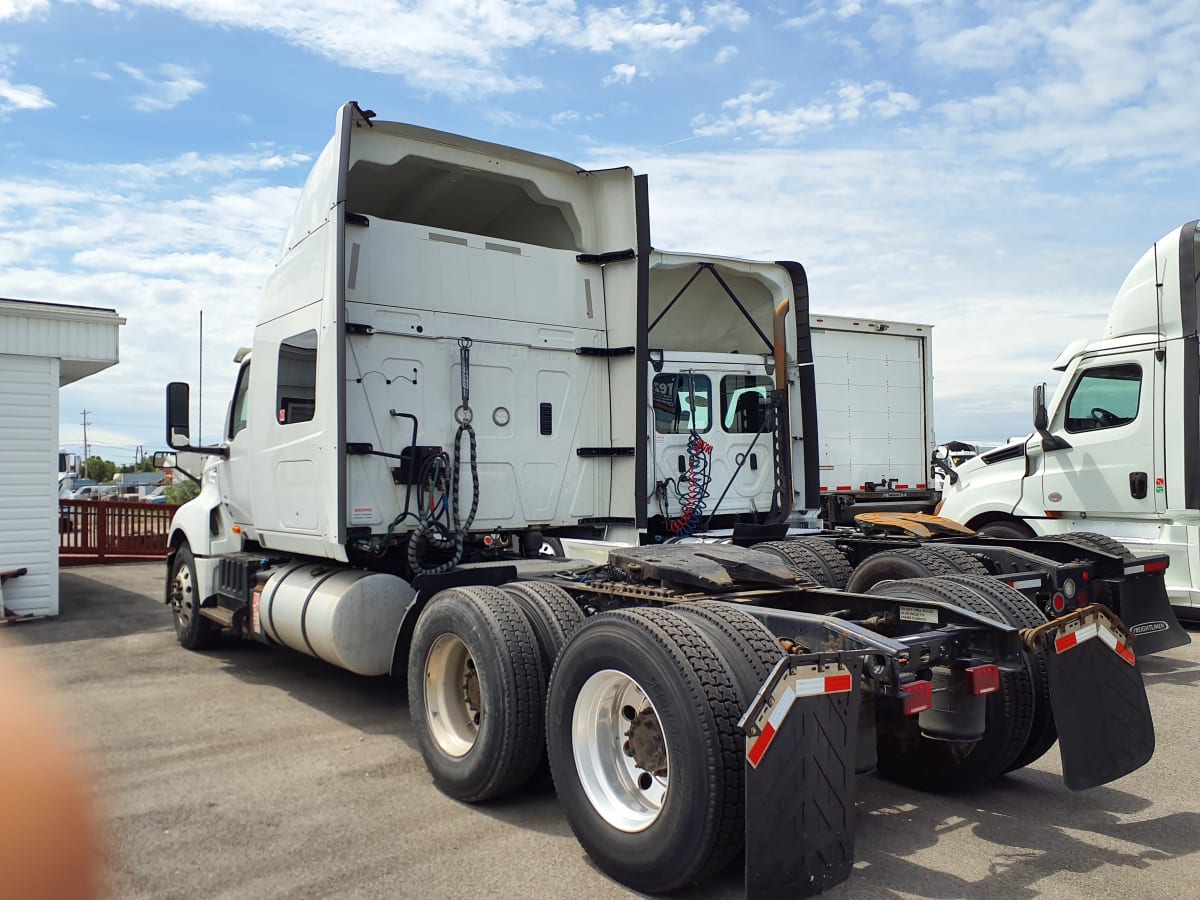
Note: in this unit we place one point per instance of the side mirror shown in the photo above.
(941, 452)
(164, 460)
(178, 420)
(1040, 418)
(1041, 422)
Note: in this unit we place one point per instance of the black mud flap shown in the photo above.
(1099, 701)
(1146, 609)
(801, 732)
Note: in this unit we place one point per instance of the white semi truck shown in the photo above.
(1117, 449)
(469, 355)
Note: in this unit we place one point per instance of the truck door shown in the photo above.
(1108, 414)
(235, 473)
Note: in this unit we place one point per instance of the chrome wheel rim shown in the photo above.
(453, 696)
(183, 597)
(620, 751)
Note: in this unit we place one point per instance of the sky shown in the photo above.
(992, 169)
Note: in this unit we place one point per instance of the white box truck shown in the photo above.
(467, 349)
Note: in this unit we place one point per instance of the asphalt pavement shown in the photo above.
(248, 771)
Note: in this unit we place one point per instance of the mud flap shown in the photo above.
(1099, 701)
(801, 732)
(1146, 611)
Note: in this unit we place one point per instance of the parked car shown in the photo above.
(158, 495)
(95, 492)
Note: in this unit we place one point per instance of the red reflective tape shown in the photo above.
(843, 487)
(1156, 566)
(837, 683)
(754, 753)
(1125, 653)
(1066, 642)
(824, 488)
(920, 487)
(902, 487)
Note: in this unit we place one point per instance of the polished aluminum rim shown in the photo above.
(182, 594)
(453, 702)
(620, 751)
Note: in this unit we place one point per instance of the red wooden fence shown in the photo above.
(111, 531)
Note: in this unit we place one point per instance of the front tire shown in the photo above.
(476, 693)
(1006, 530)
(193, 631)
(643, 744)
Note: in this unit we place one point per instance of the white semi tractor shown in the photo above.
(470, 354)
(1116, 451)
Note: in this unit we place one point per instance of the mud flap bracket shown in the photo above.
(801, 732)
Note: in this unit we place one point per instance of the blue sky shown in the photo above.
(992, 169)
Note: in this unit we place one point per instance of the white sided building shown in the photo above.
(42, 347)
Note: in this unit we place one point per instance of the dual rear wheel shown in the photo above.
(637, 711)
(639, 718)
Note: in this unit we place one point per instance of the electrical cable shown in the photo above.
(419, 538)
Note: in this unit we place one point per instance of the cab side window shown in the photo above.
(296, 382)
(744, 403)
(681, 402)
(1105, 397)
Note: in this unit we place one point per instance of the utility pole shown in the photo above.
(200, 391)
(86, 413)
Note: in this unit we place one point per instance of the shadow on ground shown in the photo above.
(92, 608)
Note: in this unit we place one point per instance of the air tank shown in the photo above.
(347, 617)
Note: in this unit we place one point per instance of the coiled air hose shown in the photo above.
(699, 476)
(427, 525)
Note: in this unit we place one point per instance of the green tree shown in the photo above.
(100, 469)
(182, 491)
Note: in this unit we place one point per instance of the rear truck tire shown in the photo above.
(643, 742)
(908, 757)
(477, 692)
(1006, 529)
(817, 558)
(963, 562)
(748, 647)
(551, 611)
(1019, 611)
(193, 631)
(900, 565)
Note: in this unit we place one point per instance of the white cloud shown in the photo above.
(157, 242)
(802, 22)
(725, 54)
(726, 14)
(175, 85)
(17, 96)
(459, 47)
(21, 9)
(622, 73)
(747, 115)
(21, 96)
(1110, 83)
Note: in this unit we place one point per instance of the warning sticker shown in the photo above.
(918, 614)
